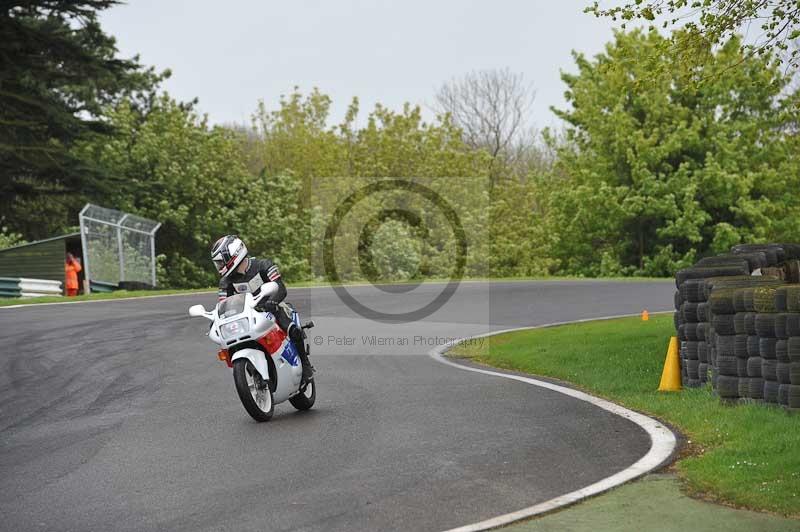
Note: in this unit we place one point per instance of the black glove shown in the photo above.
(267, 306)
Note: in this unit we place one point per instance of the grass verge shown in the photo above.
(747, 455)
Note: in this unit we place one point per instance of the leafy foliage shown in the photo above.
(652, 171)
(664, 171)
(180, 172)
(57, 72)
(715, 22)
(396, 252)
(8, 240)
(322, 165)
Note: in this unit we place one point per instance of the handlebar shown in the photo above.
(267, 289)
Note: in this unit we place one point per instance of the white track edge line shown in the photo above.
(662, 439)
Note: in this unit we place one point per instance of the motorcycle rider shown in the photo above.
(241, 273)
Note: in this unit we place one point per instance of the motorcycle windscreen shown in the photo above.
(231, 306)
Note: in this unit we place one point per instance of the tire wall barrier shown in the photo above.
(737, 318)
(24, 287)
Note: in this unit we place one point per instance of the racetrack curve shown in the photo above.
(117, 416)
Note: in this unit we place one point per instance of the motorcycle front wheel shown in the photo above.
(253, 391)
(305, 399)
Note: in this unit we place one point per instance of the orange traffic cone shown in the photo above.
(671, 375)
(645, 315)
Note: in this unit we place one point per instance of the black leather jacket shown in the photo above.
(246, 282)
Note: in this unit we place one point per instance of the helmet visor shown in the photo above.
(219, 264)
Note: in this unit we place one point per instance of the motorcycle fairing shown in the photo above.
(256, 357)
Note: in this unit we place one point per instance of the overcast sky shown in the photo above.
(231, 54)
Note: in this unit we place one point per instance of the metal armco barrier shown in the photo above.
(100, 287)
(39, 287)
(9, 287)
(24, 287)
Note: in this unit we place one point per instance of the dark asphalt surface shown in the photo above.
(117, 416)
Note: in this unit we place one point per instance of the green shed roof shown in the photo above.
(62, 237)
(43, 259)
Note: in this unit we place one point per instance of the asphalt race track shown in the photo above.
(117, 416)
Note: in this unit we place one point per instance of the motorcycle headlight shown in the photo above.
(235, 328)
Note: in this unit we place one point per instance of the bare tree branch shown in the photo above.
(490, 107)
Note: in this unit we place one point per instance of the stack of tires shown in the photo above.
(739, 322)
(762, 300)
(691, 313)
(747, 343)
(691, 323)
(716, 285)
(789, 271)
(782, 259)
(744, 334)
(722, 343)
(746, 347)
(787, 349)
(733, 270)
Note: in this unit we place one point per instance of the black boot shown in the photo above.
(296, 335)
(308, 369)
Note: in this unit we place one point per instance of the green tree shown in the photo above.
(317, 165)
(296, 137)
(395, 252)
(8, 240)
(275, 222)
(401, 145)
(519, 245)
(659, 173)
(709, 23)
(58, 71)
(178, 171)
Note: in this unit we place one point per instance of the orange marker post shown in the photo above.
(645, 316)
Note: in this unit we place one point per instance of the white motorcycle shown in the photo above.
(266, 367)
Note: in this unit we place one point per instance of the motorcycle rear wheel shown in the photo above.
(257, 400)
(305, 399)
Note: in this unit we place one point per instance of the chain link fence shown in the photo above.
(118, 247)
